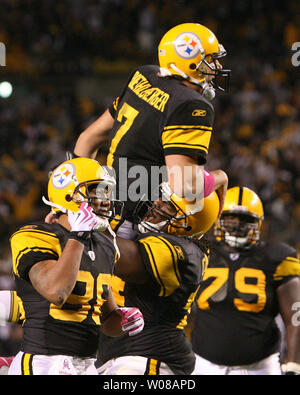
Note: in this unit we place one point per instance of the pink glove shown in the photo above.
(132, 320)
(5, 363)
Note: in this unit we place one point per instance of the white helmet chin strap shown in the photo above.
(60, 208)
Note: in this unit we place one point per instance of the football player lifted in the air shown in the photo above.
(63, 276)
(248, 282)
(163, 117)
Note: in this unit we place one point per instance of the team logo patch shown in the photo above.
(187, 45)
(63, 176)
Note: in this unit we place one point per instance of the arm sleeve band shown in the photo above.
(209, 182)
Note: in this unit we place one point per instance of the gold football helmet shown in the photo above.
(190, 51)
(70, 182)
(188, 220)
(241, 218)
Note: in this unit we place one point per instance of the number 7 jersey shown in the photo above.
(237, 303)
(155, 117)
(71, 329)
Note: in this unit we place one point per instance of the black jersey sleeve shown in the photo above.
(188, 130)
(161, 260)
(288, 264)
(31, 245)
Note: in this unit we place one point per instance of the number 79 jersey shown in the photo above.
(237, 303)
(71, 329)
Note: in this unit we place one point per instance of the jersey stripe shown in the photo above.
(26, 250)
(184, 145)
(29, 240)
(188, 138)
(152, 367)
(182, 127)
(27, 364)
(154, 267)
(174, 256)
(288, 267)
(163, 259)
(22, 230)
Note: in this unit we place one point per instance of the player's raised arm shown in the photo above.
(96, 134)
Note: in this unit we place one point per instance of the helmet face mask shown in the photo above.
(241, 219)
(239, 230)
(218, 77)
(97, 195)
(154, 216)
(82, 192)
(176, 215)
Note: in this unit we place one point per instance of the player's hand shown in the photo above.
(82, 222)
(5, 363)
(132, 320)
(291, 369)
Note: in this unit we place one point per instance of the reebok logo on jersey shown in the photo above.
(199, 113)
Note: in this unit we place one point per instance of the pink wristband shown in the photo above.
(209, 182)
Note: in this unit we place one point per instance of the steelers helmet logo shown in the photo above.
(187, 45)
(63, 176)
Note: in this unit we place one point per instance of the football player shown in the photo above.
(247, 283)
(63, 276)
(163, 117)
(160, 273)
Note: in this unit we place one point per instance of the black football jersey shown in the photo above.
(73, 328)
(237, 303)
(154, 117)
(175, 266)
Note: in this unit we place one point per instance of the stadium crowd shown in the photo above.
(50, 44)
